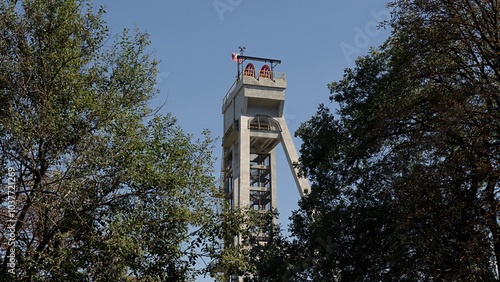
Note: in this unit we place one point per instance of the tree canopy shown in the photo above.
(105, 188)
(405, 170)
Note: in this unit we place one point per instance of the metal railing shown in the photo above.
(264, 122)
(224, 100)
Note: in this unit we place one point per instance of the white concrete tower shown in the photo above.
(253, 126)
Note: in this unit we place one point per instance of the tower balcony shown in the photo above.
(268, 80)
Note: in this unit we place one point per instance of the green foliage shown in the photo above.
(406, 171)
(238, 230)
(106, 191)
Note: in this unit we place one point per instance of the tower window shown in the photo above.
(264, 122)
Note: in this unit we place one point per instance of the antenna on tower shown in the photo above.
(242, 49)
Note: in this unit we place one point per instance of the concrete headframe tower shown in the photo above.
(253, 126)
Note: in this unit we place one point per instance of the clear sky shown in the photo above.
(315, 40)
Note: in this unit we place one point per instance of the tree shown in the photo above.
(105, 189)
(242, 253)
(406, 172)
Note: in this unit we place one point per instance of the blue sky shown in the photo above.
(315, 40)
